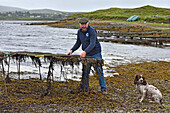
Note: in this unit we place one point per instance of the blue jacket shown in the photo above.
(89, 41)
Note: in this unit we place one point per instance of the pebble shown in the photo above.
(115, 74)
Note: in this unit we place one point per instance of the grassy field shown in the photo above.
(146, 13)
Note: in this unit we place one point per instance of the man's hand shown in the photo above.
(70, 52)
(83, 54)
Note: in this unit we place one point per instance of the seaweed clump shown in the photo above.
(62, 60)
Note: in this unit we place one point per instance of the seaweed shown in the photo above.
(58, 59)
(122, 97)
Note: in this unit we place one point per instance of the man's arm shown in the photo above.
(76, 45)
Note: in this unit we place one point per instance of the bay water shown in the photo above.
(15, 36)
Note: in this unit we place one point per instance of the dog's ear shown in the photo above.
(144, 81)
(136, 79)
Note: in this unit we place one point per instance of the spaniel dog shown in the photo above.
(149, 91)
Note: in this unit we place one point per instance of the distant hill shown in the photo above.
(44, 11)
(4, 9)
(50, 11)
(14, 13)
(146, 13)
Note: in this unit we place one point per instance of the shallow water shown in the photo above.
(16, 36)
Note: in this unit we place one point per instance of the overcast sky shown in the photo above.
(82, 5)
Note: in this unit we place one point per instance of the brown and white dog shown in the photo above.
(149, 91)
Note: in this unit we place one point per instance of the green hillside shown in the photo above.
(146, 13)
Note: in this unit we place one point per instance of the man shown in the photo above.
(91, 47)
